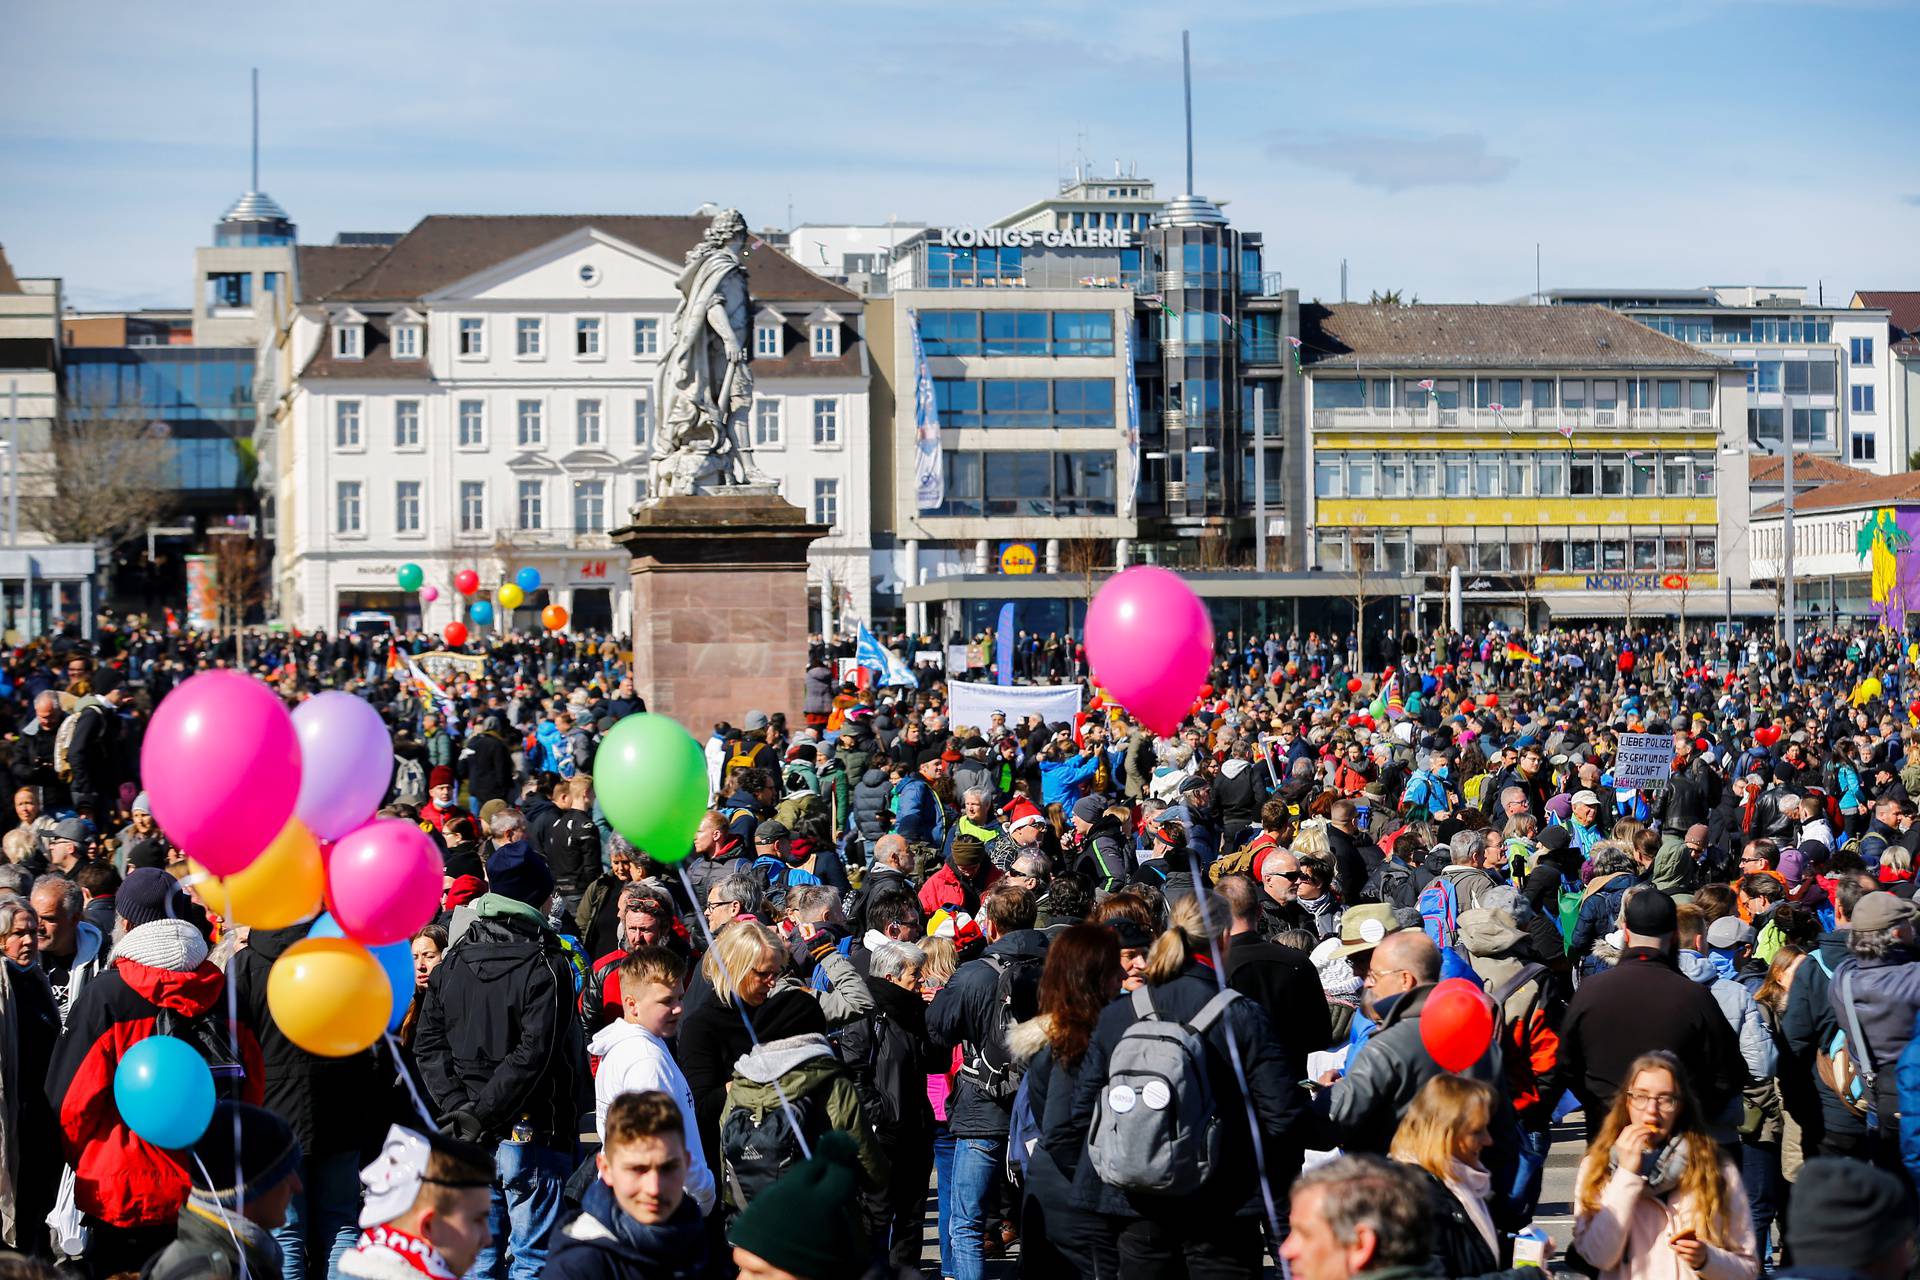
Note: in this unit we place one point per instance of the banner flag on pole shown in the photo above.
(929, 481)
(1003, 644)
(869, 653)
(1133, 429)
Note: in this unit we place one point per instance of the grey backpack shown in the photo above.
(1156, 1128)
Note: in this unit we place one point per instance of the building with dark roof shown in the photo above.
(1566, 461)
(1856, 549)
(479, 394)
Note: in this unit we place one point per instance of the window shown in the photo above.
(1551, 476)
(406, 342)
(1613, 554)
(826, 423)
(472, 337)
(1013, 333)
(347, 340)
(1083, 402)
(1613, 477)
(1393, 476)
(1643, 476)
(826, 502)
(1330, 548)
(589, 506)
(826, 340)
(406, 424)
(1673, 482)
(1455, 478)
(346, 424)
(586, 337)
(1486, 476)
(230, 291)
(963, 477)
(1860, 351)
(528, 337)
(529, 424)
(642, 419)
(1019, 483)
(1360, 475)
(586, 423)
(1083, 333)
(1706, 553)
(646, 336)
(1700, 395)
(1703, 476)
(473, 506)
(1383, 393)
(1580, 556)
(1339, 393)
(1669, 389)
(766, 340)
(1490, 557)
(406, 506)
(950, 333)
(1519, 476)
(1014, 402)
(346, 507)
(473, 424)
(1573, 396)
(1809, 426)
(766, 423)
(1426, 478)
(1328, 478)
(1673, 553)
(1861, 447)
(1083, 484)
(1862, 397)
(1646, 554)
(531, 516)
(1583, 476)
(1606, 395)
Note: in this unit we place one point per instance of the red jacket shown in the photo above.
(119, 1177)
(945, 889)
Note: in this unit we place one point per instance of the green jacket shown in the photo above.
(800, 1067)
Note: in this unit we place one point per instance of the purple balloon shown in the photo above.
(346, 762)
(221, 765)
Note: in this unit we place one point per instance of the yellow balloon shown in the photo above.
(1872, 687)
(282, 886)
(511, 595)
(329, 996)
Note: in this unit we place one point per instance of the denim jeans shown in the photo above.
(976, 1167)
(322, 1217)
(529, 1180)
(943, 1192)
(1530, 1170)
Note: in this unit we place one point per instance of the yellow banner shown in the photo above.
(1615, 580)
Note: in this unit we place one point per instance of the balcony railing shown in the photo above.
(1259, 284)
(1515, 419)
(1261, 350)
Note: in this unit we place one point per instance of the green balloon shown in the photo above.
(411, 577)
(1379, 708)
(651, 779)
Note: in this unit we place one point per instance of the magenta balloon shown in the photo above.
(384, 882)
(429, 594)
(1151, 642)
(346, 762)
(221, 764)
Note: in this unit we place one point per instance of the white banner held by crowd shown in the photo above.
(1644, 760)
(974, 704)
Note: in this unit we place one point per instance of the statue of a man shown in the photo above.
(705, 388)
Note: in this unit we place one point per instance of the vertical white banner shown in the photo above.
(929, 481)
(1133, 424)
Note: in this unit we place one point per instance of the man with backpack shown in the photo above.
(1809, 1029)
(87, 748)
(161, 983)
(1874, 996)
(1527, 1019)
(784, 1097)
(975, 1011)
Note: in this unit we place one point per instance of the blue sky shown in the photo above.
(1430, 143)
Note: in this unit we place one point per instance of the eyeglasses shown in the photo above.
(722, 902)
(1658, 1101)
(1288, 876)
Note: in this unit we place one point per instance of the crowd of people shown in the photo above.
(1120, 1005)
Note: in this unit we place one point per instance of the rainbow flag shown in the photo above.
(1519, 653)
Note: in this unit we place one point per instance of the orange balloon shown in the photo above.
(553, 617)
(329, 996)
(280, 887)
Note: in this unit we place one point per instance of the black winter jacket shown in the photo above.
(965, 1013)
(489, 767)
(497, 1038)
(1282, 981)
(572, 850)
(870, 796)
(890, 1057)
(1807, 1028)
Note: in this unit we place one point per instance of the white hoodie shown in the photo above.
(633, 1059)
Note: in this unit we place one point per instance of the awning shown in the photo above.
(1705, 605)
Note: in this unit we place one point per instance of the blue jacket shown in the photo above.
(916, 811)
(603, 1243)
(1907, 1084)
(1061, 782)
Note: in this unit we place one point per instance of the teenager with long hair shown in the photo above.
(1654, 1191)
(1081, 978)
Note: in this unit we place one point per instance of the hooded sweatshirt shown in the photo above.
(632, 1060)
(1743, 1015)
(802, 1070)
(606, 1243)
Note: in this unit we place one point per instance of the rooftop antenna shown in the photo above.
(255, 184)
(1343, 279)
(1539, 295)
(1186, 75)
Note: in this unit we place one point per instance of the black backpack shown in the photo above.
(209, 1039)
(1390, 882)
(990, 1065)
(759, 1147)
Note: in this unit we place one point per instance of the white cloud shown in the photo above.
(1397, 163)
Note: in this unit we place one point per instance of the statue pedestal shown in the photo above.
(720, 605)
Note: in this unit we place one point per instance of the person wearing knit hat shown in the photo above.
(806, 1226)
(962, 879)
(1848, 1220)
(244, 1172)
(441, 792)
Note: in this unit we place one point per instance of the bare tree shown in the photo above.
(239, 586)
(1361, 567)
(110, 467)
(1089, 559)
(1213, 550)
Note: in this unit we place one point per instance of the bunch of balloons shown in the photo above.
(276, 811)
(1151, 640)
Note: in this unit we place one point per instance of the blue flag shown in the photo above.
(883, 662)
(1003, 644)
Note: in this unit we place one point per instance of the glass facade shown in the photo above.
(1028, 483)
(1017, 333)
(202, 395)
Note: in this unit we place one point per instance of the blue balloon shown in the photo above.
(396, 961)
(481, 613)
(528, 579)
(164, 1092)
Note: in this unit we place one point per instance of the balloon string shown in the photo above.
(1240, 1071)
(225, 1221)
(713, 949)
(233, 1045)
(406, 1078)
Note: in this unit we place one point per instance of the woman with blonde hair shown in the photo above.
(1215, 1225)
(1654, 1192)
(1444, 1132)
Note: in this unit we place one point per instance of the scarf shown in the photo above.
(170, 944)
(1662, 1169)
(409, 1248)
(1470, 1185)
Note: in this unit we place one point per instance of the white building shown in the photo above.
(480, 395)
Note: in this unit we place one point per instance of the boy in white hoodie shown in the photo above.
(634, 1057)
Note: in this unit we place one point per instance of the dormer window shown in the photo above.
(826, 340)
(404, 335)
(769, 338)
(349, 335)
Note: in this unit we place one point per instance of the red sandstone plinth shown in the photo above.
(720, 606)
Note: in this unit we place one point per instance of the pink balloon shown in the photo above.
(429, 594)
(221, 763)
(1151, 640)
(384, 881)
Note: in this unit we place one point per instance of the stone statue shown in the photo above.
(705, 388)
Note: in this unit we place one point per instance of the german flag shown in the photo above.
(1519, 653)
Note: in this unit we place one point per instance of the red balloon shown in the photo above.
(1914, 706)
(456, 634)
(466, 582)
(1490, 700)
(1353, 685)
(1206, 691)
(1279, 678)
(1456, 1025)
(1097, 703)
(1767, 735)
